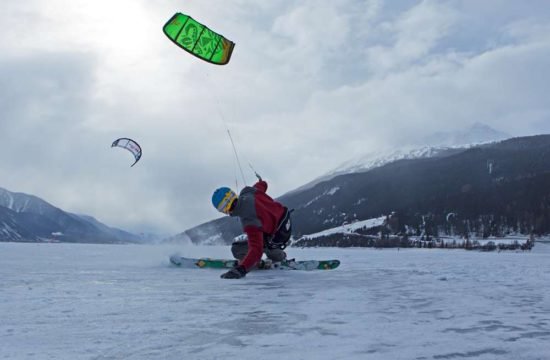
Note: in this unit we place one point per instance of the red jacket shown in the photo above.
(259, 214)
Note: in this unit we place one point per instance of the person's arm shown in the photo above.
(261, 186)
(255, 247)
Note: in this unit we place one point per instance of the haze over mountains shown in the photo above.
(478, 133)
(439, 143)
(506, 181)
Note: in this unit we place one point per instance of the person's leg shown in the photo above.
(275, 255)
(239, 249)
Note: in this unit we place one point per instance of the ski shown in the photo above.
(292, 264)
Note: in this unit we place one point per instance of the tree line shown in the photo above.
(442, 231)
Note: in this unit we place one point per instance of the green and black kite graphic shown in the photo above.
(198, 39)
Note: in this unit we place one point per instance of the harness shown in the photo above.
(281, 237)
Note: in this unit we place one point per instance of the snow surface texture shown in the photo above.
(64, 301)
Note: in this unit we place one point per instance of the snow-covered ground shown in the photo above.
(63, 301)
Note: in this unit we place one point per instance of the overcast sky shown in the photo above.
(310, 85)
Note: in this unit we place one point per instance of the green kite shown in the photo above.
(198, 39)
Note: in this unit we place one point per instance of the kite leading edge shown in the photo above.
(129, 145)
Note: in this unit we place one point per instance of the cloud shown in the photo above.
(42, 99)
(413, 34)
(309, 86)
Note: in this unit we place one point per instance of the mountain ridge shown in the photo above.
(26, 217)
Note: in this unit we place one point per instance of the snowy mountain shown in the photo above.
(11, 229)
(26, 217)
(495, 187)
(377, 159)
(435, 145)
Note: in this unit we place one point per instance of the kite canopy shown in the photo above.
(199, 40)
(129, 145)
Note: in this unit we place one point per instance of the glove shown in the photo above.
(236, 273)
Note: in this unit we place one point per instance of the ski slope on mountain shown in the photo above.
(349, 228)
(69, 301)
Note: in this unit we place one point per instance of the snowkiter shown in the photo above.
(265, 221)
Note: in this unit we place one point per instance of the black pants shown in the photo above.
(240, 249)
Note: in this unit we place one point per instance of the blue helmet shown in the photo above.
(223, 198)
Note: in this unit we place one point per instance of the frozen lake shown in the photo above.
(69, 301)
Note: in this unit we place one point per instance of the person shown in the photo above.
(266, 223)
